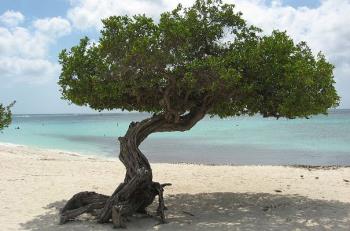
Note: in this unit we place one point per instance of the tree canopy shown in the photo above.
(206, 56)
(5, 115)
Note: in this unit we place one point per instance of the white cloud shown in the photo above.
(54, 27)
(20, 42)
(24, 51)
(88, 13)
(21, 70)
(23, 56)
(11, 18)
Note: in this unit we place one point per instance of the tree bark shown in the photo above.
(138, 190)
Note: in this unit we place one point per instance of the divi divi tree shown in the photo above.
(192, 62)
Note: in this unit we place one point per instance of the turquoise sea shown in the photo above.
(320, 140)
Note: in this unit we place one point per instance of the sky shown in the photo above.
(33, 32)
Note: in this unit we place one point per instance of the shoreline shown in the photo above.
(35, 184)
(96, 156)
(57, 151)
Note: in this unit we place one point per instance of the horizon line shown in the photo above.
(94, 113)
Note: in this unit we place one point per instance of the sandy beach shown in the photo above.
(35, 183)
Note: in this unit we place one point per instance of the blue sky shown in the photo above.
(32, 32)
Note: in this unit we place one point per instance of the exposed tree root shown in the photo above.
(115, 208)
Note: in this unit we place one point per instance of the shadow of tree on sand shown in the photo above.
(221, 211)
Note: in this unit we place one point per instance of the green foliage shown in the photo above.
(5, 115)
(192, 54)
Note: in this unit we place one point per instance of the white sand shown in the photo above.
(35, 183)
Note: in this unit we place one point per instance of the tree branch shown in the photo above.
(188, 120)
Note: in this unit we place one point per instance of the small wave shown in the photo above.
(22, 116)
(83, 154)
(11, 145)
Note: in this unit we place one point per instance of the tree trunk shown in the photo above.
(133, 195)
(138, 190)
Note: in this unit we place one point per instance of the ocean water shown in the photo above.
(320, 140)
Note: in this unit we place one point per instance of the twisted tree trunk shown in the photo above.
(137, 191)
